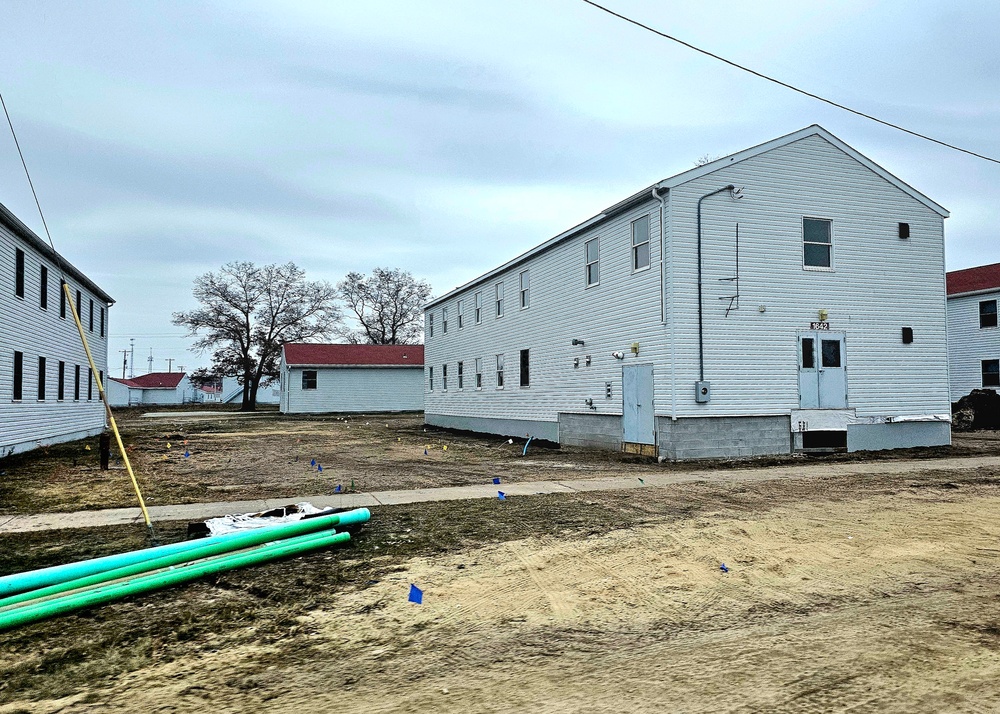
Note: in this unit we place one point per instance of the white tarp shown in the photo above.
(273, 517)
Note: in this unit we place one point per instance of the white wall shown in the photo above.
(36, 332)
(353, 389)
(879, 285)
(968, 345)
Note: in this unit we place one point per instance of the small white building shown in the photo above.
(351, 378)
(787, 297)
(973, 334)
(48, 393)
(152, 388)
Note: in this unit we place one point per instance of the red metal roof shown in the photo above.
(984, 277)
(374, 355)
(154, 380)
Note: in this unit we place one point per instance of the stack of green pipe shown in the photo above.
(66, 590)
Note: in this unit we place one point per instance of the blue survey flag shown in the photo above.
(313, 462)
(338, 489)
(187, 453)
(723, 568)
(496, 479)
(319, 468)
(501, 495)
(416, 594)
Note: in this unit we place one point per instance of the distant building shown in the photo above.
(788, 297)
(351, 378)
(48, 393)
(152, 388)
(232, 392)
(973, 334)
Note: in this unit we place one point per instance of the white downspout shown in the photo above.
(663, 297)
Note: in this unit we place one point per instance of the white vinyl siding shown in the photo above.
(970, 343)
(356, 389)
(751, 355)
(35, 331)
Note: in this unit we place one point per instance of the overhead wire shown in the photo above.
(792, 87)
(79, 326)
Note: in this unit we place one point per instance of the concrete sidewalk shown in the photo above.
(201, 511)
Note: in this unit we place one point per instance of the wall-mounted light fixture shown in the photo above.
(576, 342)
(823, 314)
(618, 355)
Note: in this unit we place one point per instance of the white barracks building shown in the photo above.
(788, 297)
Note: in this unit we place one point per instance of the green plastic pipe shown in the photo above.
(31, 580)
(34, 612)
(164, 561)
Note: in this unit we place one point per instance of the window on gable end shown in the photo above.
(524, 289)
(592, 256)
(817, 243)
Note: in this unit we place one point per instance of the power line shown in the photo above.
(789, 86)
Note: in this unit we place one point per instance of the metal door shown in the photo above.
(638, 424)
(822, 371)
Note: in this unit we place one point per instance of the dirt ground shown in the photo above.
(872, 590)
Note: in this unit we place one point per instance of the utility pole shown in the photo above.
(131, 357)
(124, 361)
(150, 371)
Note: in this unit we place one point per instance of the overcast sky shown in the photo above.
(168, 138)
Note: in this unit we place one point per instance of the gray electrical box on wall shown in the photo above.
(702, 392)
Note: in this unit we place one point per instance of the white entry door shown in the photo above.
(822, 371)
(638, 424)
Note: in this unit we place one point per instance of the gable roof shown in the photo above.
(15, 226)
(982, 278)
(311, 355)
(684, 177)
(153, 380)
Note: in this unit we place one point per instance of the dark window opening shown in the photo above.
(76, 383)
(102, 322)
(90, 384)
(907, 335)
(988, 313)
(18, 375)
(904, 230)
(524, 368)
(991, 372)
(19, 273)
(77, 307)
(62, 299)
(41, 379)
(309, 379)
(831, 353)
(808, 353)
(61, 387)
(43, 288)
(91, 316)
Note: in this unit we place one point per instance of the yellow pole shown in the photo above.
(107, 407)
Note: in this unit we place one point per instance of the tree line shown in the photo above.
(247, 312)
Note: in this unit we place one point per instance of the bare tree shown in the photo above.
(388, 306)
(247, 312)
(706, 159)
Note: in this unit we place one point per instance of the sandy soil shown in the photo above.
(848, 595)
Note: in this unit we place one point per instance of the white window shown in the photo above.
(479, 308)
(460, 311)
(524, 289)
(461, 383)
(479, 372)
(499, 371)
(430, 324)
(498, 297)
(817, 243)
(444, 377)
(592, 253)
(640, 243)
(444, 320)
(430, 378)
